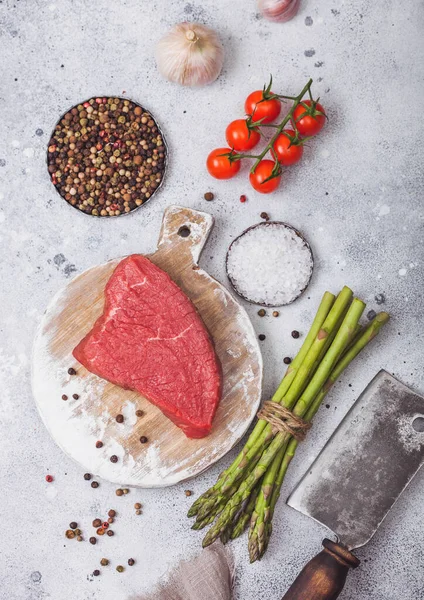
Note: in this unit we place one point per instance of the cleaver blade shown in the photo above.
(355, 480)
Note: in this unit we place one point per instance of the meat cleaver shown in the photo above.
(362, 470)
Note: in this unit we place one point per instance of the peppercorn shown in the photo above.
(105, 524)
(139, 413)
(93, 540)
(243, 198)
(261, 336)
(275, 313)
(110, 532)
(110, 520)
(94, 484)
(287, 360)
(100, 531)
(104, 562)
(265, 216)
(87, 476)
(96, 572)
(131, 562)
(119, 492)
(99, 444)
(137, 505)
(64, 397)
(261, 312)
(73, 525)
(120, 569)
(143, 439)
(209, 196)
(70, 534)
(49, 478)
(138, 511)
(188, 493)
(79, 538)
(114, 458)
(71, 371)
(96, 523)
(125, 490)
(75, 396)
(112, 513)
(119, 418)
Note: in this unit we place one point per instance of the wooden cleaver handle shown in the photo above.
(324, 576)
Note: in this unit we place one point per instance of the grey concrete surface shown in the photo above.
(357, 197)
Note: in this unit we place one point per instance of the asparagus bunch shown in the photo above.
(248, 490)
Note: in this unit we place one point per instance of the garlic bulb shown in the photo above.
(190, 54)
(279, 10)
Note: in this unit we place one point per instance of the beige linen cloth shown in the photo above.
(209, 576)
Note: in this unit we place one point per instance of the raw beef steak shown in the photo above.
(151, 339)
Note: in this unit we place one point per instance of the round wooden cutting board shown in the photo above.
(79, 422)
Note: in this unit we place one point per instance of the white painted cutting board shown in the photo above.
(77, 424)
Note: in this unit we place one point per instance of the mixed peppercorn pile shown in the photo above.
(106, 156)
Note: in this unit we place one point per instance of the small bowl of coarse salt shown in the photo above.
(270, 264)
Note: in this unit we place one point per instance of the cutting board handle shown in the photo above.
(184, 231)
(324, 576)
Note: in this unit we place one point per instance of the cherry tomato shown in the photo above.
(262, 172)
(310, 124)
(283, 152)
(220, 166)
(240, 137)
(265, 111)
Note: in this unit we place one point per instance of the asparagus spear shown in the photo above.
(271, 484)
(303, 402)
(320, 317)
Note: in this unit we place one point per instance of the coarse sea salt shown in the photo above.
(270, 264)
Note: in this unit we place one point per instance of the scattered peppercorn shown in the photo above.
(110, 520)
(188, 493)
(93, 541)
(77, 531)
(99, 444)
(138, 511)
(209, 196)
(79, 538)
(75, 396)
(96, 572)
(100, 531)
(73, 525)
(96, 523)
(125, 490)
(119, 492)
(143, 439)
(87, 476)
(137, 505)
(120, 569)
(106, 156)
(105, 525)
(64, 397)
(49, 478)
(70, 534)
(139, 413)
(243, 198)
(119, 418)
(287, 360)
(104, 562)
(295, 334)
(114, 458)
(275, 313)
(261, 336)
(110, 532)
(265, 216)
(112, 513)
(94, 484)
(261, 312)
(131, 562)
(71, 371)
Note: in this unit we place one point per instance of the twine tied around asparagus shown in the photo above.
(282, 419)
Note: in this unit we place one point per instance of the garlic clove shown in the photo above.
(190, 54)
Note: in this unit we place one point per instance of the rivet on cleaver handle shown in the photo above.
(366, 464)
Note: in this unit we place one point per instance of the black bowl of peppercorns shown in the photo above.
(107, 156)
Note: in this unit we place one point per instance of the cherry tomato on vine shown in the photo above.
(283, 152)
(311, 123)
(220, 166)
(262, 109)
(240, 137)
(262, 172)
